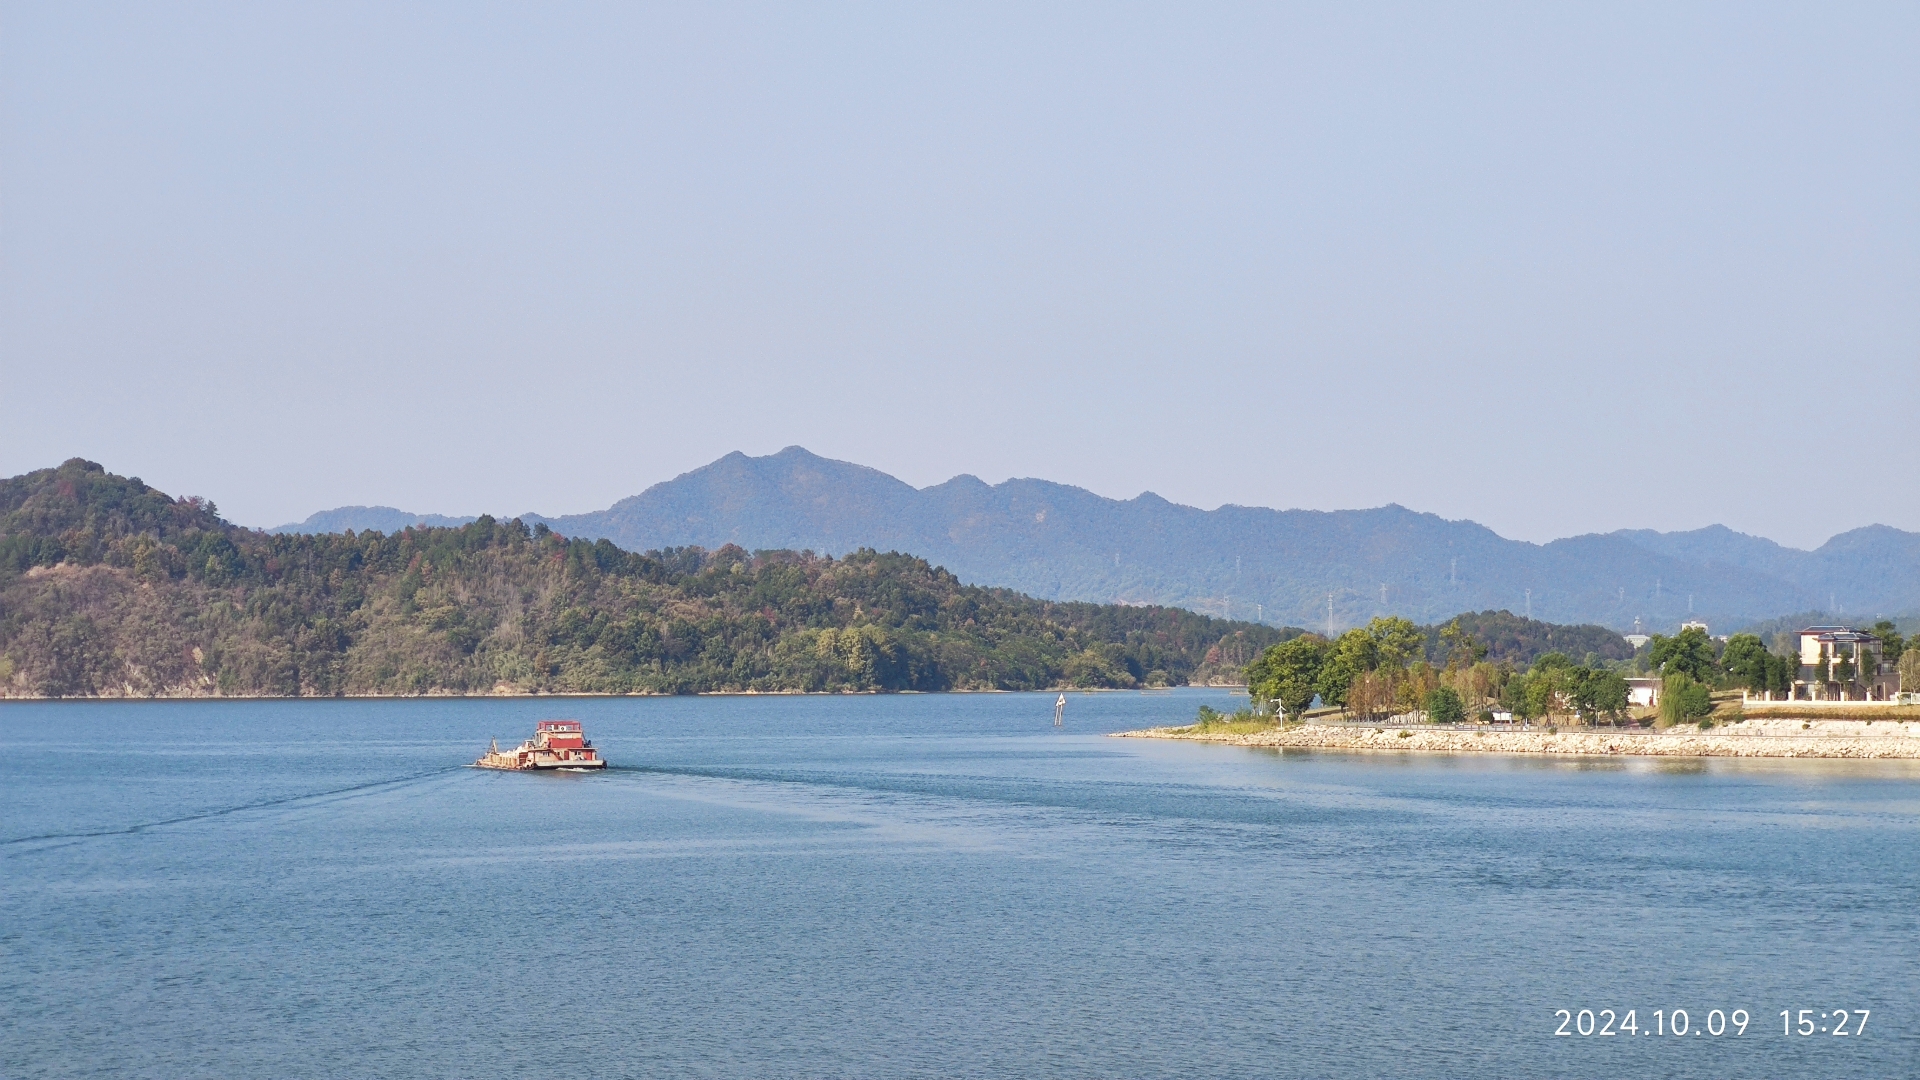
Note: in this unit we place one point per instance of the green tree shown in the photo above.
(1553, 661)
(1444, 706)
(1462, 650)
(1097, 668)
(1289, 673)
(1682, 698)
(1596, 693)
(1747, 660)
(1515, 696)
(1384, 647)
(1892, 645)
(1689, 653)
(1539, 692)
(1910, 671)
(1781, 673)
(1611, 694)
(1351, 655)
(1396, 642)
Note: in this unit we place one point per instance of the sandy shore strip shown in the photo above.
(1899, 741)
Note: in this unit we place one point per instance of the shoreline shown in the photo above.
(1896, 745)
(501, 695)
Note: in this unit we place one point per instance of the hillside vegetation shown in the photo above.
(111, 588)
(1504, 637)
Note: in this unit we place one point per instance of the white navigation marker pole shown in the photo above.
(1059, 709)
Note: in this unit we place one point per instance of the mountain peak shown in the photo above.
(1061, 542)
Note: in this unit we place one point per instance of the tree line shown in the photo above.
(1390, 667)
(1385, 668)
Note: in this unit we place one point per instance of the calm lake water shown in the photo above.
(920, 886)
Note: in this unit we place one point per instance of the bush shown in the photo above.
(1444, 707)
(1682, 699)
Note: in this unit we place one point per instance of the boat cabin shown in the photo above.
(556, 744)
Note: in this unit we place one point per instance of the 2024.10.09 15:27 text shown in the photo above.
(1604, 1022)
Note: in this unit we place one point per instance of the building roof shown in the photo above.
(1838, 633)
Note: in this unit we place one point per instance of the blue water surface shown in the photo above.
(941, 885)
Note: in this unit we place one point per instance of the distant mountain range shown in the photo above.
(377, 518)
(1280, 566)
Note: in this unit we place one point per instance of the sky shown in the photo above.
(1557, 268)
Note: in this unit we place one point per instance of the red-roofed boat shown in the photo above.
(556, 744)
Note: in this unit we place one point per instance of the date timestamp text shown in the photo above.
(1716, 1022)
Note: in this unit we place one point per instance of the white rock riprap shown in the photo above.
(1676, 742)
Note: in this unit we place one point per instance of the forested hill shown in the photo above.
(109, 587)
(1509, 638)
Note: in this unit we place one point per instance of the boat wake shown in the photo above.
(223, 811)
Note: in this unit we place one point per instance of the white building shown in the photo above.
(1644, 693)
(1839, 663)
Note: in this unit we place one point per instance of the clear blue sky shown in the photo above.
(1557, 268)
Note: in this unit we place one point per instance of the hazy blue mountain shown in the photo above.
(1874, 570)
(1719, 545)
(1064, 542)
(362, 518)
(1061, 542)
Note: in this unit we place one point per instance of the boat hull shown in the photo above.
(510, 765)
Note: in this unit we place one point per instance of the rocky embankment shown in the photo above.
(1893, 740)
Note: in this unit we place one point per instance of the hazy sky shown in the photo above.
(1555, 268)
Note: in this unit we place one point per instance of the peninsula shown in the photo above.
(1825, 691)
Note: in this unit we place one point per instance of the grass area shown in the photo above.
(1213, 722)
(1228, 726)
(1775, 710)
